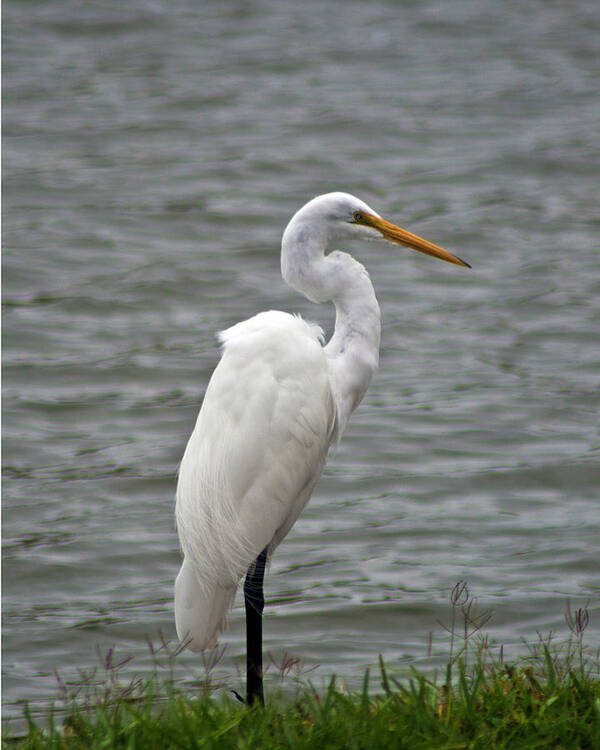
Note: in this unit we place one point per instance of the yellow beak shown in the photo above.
(400, 236)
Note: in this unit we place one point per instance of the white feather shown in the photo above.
(255, 454)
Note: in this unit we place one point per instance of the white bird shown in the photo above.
(275, 403)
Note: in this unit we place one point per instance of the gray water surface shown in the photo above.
(153, 153)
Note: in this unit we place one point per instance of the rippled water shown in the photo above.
(153, 154)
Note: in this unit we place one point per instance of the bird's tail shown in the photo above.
(200, 612)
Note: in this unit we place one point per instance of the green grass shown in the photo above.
(502, 707)
(549, 699)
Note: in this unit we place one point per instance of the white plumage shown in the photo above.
(274, 404)
(256, 452)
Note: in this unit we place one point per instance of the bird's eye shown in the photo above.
(358, 217)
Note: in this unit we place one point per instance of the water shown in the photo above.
(154, 152)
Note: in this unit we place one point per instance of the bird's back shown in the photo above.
(256, 452)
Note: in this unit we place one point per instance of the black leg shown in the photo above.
(255, 602)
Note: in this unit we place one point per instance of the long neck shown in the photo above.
(353, 351)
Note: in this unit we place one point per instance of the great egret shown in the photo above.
(276, 401)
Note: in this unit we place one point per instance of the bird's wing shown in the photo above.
(258, 447)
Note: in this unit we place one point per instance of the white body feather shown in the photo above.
(256, 452)
(274, 404)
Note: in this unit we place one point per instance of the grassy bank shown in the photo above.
(549, 699)
(498, 708)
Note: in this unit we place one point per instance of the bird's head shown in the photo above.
(340, 216)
